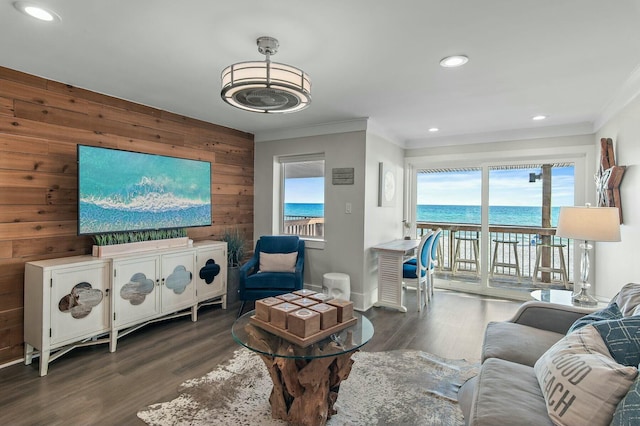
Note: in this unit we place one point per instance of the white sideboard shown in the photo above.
(85, 300)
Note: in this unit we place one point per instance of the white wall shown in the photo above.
(617, 263)
(344, 233)
(381, 224)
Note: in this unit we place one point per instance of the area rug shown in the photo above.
(396, 387)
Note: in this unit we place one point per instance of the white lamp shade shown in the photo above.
(589, 223)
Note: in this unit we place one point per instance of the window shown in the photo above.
(302, 196)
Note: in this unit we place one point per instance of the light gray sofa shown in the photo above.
(506, 390)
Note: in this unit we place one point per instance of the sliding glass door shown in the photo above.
(499, 223)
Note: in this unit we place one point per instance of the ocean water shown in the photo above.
(498, 215)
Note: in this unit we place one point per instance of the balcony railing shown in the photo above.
(307, 226)
(529, 243)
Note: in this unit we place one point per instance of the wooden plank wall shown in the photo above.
(41, 122)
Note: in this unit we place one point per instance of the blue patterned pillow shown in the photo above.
(609, 313)
(628, 409)
(622, 337)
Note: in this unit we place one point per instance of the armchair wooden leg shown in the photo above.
(241, 309)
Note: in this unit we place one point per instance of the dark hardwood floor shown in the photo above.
(90, 386)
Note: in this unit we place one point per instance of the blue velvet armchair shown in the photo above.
(257, 284)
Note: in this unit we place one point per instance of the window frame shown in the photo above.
(282, 161)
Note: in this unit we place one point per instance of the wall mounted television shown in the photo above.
(122, 191)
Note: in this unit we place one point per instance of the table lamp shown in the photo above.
(588, 224)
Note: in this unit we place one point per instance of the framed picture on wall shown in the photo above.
(386, 186)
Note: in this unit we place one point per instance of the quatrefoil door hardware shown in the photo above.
(609, 177)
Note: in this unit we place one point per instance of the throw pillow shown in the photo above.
(278, 262)
(610, 312)
(628, 298)
(580, 382)
(628, 410)
(622, 337)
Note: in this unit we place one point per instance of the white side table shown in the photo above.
(562, 297)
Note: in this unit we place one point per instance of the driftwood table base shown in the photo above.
(304, 391)
(306, 380)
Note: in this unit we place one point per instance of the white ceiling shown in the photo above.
(573, 60)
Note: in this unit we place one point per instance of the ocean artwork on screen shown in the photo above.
(128, 191)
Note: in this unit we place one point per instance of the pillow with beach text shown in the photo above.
(580, 382)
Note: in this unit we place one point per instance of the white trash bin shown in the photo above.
(337, 285)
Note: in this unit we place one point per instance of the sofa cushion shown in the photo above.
(516, 342)
(507, 394)
(610, 312)
(580, 381)
(622, 337)
(628, 410)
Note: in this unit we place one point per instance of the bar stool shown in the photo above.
(506, 262)
(562, 270)
(474, 260)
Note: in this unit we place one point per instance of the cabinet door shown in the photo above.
(208, 284)
(178, 288)
(79, 303)
(136, 294)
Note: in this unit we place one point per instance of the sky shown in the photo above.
(506, 188)
(304, 190)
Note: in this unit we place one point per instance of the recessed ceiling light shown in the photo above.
(539, 117)
(433, 129)
(454, 61)
(36, 11)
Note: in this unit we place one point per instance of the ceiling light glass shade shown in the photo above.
(267, 87)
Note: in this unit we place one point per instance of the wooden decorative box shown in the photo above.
(304, 292)
(344, 307)
(280, 312)
(263, 307)
(287, 322)
(304, 302)
(303, 342)
(320, 297)
(328, 315)
(288, 297)
(303, 322)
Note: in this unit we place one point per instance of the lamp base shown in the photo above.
(582, 298)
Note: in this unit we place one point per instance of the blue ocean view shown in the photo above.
(498, 215)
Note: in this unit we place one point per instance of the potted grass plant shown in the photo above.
(235, 255)
(114, 243)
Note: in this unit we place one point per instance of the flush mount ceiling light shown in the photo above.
(454, 61)
(266, 86)
(36, 11)
(539, 117)
(433, 129)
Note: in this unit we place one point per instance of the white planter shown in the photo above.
(116, 249)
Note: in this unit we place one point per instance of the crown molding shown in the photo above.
(576, 129)
(356, 125)
(625, 94)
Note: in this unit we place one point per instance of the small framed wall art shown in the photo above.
(387, 186)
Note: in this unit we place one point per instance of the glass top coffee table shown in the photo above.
(306, 380)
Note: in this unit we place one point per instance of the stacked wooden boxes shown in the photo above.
(303, 313)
